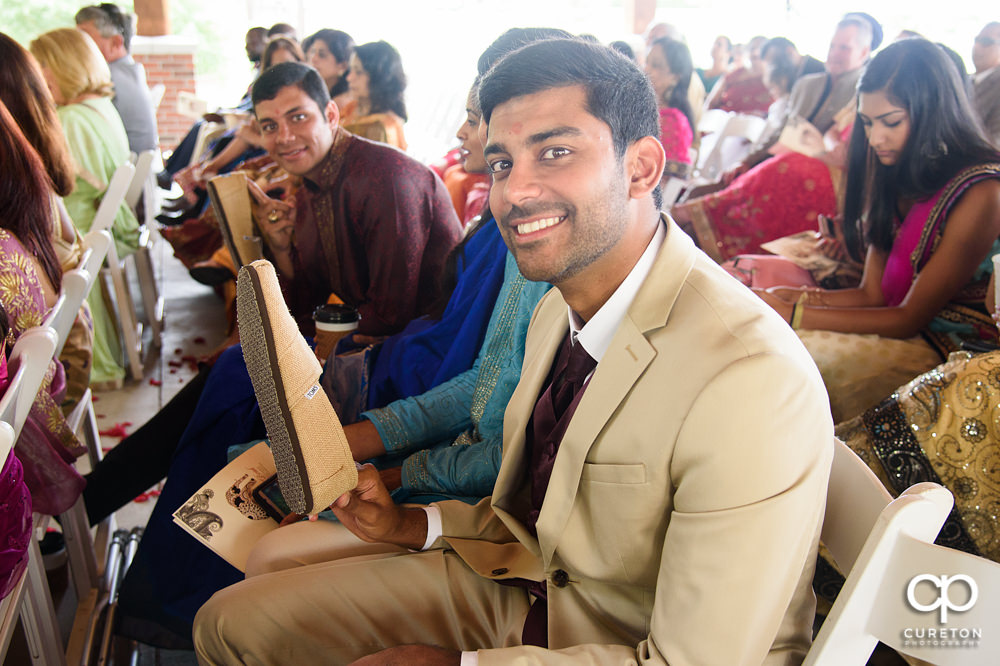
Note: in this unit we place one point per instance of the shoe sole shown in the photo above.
(262, 363)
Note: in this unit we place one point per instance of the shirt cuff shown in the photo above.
(434, 531)
(469, 659)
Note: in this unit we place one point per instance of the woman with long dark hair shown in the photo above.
(31, 282)
(923, 207)
(669, 68)
(330, 51)
(377, 82)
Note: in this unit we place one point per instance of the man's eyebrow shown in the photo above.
(493, 149)
(538, 137)
(566, 130)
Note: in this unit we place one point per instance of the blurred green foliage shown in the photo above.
(25, 20)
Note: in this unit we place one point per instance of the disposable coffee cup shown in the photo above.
(333, 322)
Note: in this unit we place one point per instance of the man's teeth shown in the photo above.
(531, 227)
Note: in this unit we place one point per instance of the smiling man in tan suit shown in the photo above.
(666, 453)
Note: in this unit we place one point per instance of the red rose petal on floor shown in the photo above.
(144, 497)
(199, 340)
(94, 398)
(105, 449)
(173, 371)
(153, 493)
(155, 382)
(118, 430)
(175, 364)
(178, 350)
(189, 359)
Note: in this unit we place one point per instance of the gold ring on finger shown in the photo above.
(273, 216)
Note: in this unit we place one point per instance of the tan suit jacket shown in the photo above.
(681, 519)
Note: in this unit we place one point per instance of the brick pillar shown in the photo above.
(169, 60)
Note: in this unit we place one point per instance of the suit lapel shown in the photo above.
(624, 362)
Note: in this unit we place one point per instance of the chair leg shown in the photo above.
(38, 615)
(131, 328)
(152, 301)
(80, 549)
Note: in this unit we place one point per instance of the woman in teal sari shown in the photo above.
(923, 199)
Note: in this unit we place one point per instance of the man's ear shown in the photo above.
(117, 42)
(332, 114)
(644, 163)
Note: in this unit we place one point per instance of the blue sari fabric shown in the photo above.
(427, 352)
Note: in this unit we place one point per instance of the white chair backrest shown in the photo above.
(143, 165)
(28, 362)
(95, 248)
(745, 126)
(75, 287)
(712, 121)
(854, 500)
(113, 197)
(925, 601)
(6, 441)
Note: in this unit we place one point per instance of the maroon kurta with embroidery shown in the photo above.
(374, 228)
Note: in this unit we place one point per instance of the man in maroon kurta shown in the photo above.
(370, 224)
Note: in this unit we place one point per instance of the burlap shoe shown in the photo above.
(310, 450)
(234, 210)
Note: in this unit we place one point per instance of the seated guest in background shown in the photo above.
(255, 40)
(467, 181)
(80, 83)
(621, 494)
(376, 81)
(986, 80)
(112, 31)
(46, 447)
(330, 51)
(696, 90)
(668, 66)
(29, 101)
(922, 205)
(783, 195)
(781, 52)
(742, 90)
(722, 54)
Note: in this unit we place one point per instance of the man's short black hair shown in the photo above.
(285, 74)
(618, 92)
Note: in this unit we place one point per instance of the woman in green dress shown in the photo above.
(80, 83)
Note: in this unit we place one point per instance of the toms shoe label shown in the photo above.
(311, 392)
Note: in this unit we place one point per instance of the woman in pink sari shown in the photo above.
(30, 282)
(923, 199)
(669, 69)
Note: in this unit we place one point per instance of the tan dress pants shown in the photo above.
(337, 612)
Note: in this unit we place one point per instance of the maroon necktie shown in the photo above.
(549, 420)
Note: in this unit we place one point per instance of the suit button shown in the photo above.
(560, 578)
(499, 572)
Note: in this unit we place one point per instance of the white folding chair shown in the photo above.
(119, 291)
(900, 585)
(729, 144)
(143, 190)
(31, 599)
